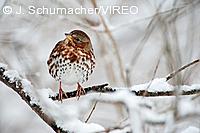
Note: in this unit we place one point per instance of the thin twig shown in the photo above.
(114, 43)
(171, 75)
(91, 112)
(198, 95)
(108, 64)
(154, 74)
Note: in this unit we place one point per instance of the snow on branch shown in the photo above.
(12, 79)
(158, 87)
(47, 109)
(140, 112)
(64, 119)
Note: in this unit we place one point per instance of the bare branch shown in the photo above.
(171, 75)
(91, 112)
(154, 74)
(114, 43)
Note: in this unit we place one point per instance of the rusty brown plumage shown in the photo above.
(72, 60)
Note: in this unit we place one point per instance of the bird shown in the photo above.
(72, 61)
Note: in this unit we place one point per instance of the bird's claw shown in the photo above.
(80, 91)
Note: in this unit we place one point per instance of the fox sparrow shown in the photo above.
(72, 61)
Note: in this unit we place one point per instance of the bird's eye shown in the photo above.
(78, 40)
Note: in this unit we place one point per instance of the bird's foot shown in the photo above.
(60, 95)
(80, 91)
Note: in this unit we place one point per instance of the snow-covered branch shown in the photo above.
(64, 119)
(159, 87)
(97, 88)
(156, 87)
(140, 112)
(12, 79)
(47, 109)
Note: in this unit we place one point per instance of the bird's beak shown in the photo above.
(66, 34)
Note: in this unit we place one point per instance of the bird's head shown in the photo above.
(79, 39)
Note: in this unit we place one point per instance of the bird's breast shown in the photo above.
(71, 66)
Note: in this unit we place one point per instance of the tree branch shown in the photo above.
(171, 75)
(16, 84)
(142, 92)
(97, 88)
(18, 88)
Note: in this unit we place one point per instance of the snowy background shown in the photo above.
(163, 33)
